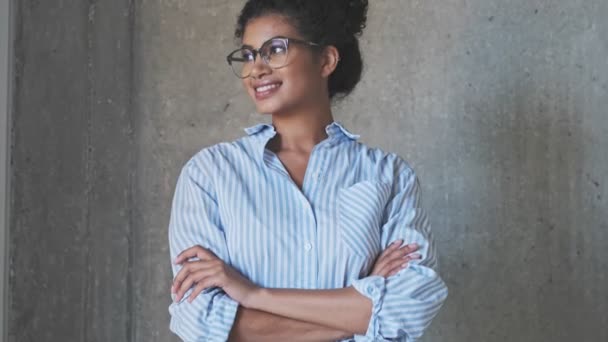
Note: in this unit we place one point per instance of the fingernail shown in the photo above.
(397, 241)
(413, 245)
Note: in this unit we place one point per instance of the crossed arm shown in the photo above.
(267, 314)
(402, 306)
(255, 325)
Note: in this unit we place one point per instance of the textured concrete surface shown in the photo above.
(5, 81)
(499, 106)
(73, 171)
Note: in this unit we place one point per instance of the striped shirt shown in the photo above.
(237, 199)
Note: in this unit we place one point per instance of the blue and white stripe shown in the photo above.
(237, 199)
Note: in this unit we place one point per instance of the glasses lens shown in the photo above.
(242, 62)
(274, 52)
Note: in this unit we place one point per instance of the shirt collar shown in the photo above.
(263, 132)
(334, 129)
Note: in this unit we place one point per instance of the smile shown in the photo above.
(268, 87)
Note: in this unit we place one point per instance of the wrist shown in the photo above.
(255, 298)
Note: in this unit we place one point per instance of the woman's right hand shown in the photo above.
(394, 258)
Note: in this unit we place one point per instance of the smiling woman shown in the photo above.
(297, 231)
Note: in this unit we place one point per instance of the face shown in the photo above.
(300, 82)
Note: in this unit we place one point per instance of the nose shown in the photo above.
(259, 68)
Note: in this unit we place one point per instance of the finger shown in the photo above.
(399, 251)
(186, 254)
(398, 265)
(179, 278)
(394, 252)
(194, 252)
(410, 248)
(383, 268)
(392, 247)
(188, 283)
(380, 267)
(404, 250)
(188, 268)
(405, 261)
(209, 279)
(197, 290)
(395, 244)
(380, 272)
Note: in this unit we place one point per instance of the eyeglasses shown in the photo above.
(274, 53)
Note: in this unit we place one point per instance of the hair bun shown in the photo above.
(355, 16)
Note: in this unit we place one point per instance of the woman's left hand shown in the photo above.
(209, 271)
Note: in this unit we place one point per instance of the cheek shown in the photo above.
(303, 79)
(306, 89)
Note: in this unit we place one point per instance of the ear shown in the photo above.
(330, 57)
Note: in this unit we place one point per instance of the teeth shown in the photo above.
(267, 87)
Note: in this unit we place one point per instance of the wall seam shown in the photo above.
(130, 315)
(6, 166)
(88, 170)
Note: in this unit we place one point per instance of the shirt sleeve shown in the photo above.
(195, 220)
(403, 305)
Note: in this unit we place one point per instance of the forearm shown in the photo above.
(342, 309)
(252, 325)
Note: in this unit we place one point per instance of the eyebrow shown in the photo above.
(267, 40)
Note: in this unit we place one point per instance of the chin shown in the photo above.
(277, 103)
(269, 106)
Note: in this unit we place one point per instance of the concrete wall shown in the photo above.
(5, 81)
(73, 173)
(500, 106)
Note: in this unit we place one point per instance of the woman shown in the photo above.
(297, 231)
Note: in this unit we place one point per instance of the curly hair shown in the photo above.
(337, 23)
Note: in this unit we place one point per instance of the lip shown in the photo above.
(268, 93)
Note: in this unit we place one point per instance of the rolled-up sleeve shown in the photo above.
(404, 304)
(195, 220)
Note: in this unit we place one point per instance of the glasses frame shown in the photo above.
(257, 52)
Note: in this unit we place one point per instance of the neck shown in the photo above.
(301, 130)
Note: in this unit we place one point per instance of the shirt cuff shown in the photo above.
(217, 317)
(374, 288)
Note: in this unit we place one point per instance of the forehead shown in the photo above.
(261, 29)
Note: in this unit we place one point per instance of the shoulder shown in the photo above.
(206, 166)
(389, 165)
(211, 159)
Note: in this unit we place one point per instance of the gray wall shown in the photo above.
(500, 106)
(5, 80)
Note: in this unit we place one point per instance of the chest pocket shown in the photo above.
(360, 210)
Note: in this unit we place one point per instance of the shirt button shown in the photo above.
(308, 246)
(370, 290)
